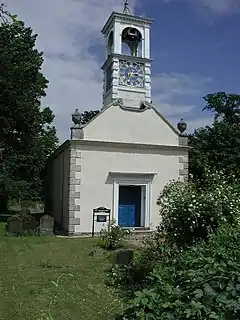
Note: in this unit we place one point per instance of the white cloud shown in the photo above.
(200, 122)
(177, 95)
(178, 84)
(220, 6)
(215, 6)
(67, 30)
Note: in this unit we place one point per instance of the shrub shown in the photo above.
(136, 275)
(202, 282)
(190, 212)
(112, 237)
(133, 276)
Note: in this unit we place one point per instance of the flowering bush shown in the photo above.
(202, 282)
(190, 212)
(111, 238)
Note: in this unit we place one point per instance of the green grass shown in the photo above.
(29, 265)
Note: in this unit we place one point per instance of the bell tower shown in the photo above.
(127, 69)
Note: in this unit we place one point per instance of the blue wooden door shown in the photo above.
(126, 215)
(129, 209)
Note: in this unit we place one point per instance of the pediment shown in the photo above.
(143, 124)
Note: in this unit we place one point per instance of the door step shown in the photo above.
(140, 234)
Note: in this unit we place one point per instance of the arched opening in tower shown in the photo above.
(110, 43)
(131, 42)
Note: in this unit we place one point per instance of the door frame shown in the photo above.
(133, 182)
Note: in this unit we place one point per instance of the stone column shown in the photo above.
(75, 169)
(183, 142)
(76, 130)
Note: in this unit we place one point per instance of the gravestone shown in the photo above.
(123, 257)
(46, 225)
(29, 224)
(14, 226)
(24, 212)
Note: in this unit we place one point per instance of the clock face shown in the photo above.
(131, 74)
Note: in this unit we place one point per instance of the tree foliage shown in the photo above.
(191, 269)
(225, 106)
(5, 15)
(87, 116)
(218, 146)
(26, 132)
(191, 211)
(197, 281)
(202, 282)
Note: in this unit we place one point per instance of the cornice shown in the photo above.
(115, 145)
(128, 145)
(127, 18)
(124, 57)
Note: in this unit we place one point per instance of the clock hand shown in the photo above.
(131, 74)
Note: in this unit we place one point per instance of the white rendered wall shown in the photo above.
(97, 184)
(58, 187)
(115, 124)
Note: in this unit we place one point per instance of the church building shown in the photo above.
(122, 158)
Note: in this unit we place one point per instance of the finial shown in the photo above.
(76, 117)
(126, 9)
(76, 130)
(182, 126)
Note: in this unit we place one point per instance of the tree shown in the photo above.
(27, 136)
(218, 146)
(87, 116)
(226, 107)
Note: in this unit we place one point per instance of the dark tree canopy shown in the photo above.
(226, 107)
(27, 136)
(87, 116)
(218, 146)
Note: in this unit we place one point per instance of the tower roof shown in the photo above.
(125, 17)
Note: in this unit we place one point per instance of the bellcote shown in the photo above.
(127, 34)
(127, 69)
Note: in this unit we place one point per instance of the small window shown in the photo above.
(110, 43)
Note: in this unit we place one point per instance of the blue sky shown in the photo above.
(195, 47)
(196, 41)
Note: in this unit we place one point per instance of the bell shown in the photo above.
(132, 32)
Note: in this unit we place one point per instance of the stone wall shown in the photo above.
(56, 187)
